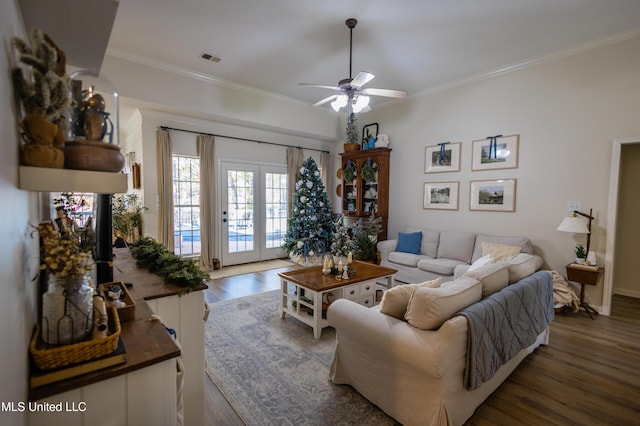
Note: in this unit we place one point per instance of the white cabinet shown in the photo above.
(185, 315)
(142, 397)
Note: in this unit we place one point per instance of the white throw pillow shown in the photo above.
(395, 300)
(499, 251)
(430, 307)
(484, 260)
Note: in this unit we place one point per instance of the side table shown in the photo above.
(584, 274)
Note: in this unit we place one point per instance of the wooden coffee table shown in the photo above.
(310, 282)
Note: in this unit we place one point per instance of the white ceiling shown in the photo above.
(412, 45)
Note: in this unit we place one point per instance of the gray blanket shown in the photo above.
(504, 323)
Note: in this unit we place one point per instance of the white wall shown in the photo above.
(567, 113)
(19, 259)
(226, 149)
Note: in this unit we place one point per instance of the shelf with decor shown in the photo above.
(369, 190)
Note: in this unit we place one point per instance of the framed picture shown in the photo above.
(440, 195)
(369, 131)
(495, 153)
(493, 195)
(444, 157)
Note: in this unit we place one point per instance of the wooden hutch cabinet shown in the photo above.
(368, 192)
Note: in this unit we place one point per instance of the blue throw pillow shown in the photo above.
(409, 243)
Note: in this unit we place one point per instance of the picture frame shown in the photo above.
(368, 131)
(441, 195)
(435, 161)
(490, 155)
(498, 195)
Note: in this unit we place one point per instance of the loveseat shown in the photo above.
(420, 355)
(421, 254)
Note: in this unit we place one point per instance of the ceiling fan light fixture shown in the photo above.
(360, 103)
(339, 102)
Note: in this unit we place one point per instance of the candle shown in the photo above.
(340, 266)
(349, 258)
(326, 262)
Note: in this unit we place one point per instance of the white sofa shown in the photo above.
(447, 254)
(415, 375)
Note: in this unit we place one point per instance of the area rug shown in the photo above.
(247, 268)
(273, 372)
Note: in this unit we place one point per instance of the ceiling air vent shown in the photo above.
(210, 57)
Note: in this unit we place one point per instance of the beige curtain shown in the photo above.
(325, 165)
(295, 159)
(165, 189)
(206, 152)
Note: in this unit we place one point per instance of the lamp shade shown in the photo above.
(575, 225)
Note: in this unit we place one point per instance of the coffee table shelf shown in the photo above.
(316, 287)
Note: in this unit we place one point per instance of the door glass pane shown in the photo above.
(186, 202)
(240, 210)
(276, 209)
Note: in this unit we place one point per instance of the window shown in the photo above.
(77, 205)
(276, 207)
(186, 205)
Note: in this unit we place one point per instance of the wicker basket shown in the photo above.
(46, 357)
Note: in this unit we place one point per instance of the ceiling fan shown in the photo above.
(350, 89)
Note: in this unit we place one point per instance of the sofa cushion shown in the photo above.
(430, 307)
(409, 242)
(395, 300)
(523, 242)
(429, 244)
(456, 245)
(439, 266)
(522, 266)
(493, 276)
(499, 251)
(405, 259)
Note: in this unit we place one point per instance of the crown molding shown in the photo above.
(175, 69)
(616, 38)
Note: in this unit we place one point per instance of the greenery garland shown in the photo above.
(173, 268)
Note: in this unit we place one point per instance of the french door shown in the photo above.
(254, 212)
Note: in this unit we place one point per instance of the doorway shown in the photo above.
(253, 211)
(616, 218)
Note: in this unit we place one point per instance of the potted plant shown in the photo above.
(352, 144)
(581, 254)
(366, 238)
(127, 219)
(45, 99)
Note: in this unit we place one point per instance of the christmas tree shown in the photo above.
(310, 226)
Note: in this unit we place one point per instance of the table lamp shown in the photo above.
(577, 225)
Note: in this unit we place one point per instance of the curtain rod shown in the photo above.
(241, 139)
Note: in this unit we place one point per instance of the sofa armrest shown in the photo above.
(385, 247)
(374, 334)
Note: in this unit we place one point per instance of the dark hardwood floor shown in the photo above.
(588, 375)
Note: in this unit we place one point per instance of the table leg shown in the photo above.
(588, 309)
(283, 300)
(317, 314)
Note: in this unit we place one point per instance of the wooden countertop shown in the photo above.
(146, 342)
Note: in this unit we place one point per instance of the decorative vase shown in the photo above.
(40, 136)
(67, 310)
(92, 155)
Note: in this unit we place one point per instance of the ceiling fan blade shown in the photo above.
(362, 78)
(320, 86)
(325, 100)
(385, 92)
